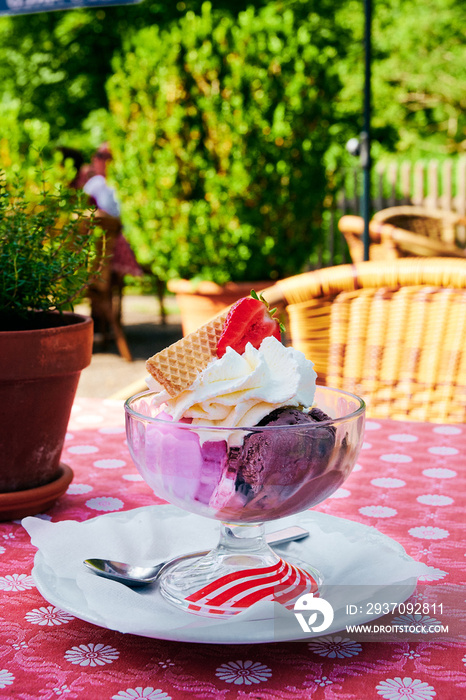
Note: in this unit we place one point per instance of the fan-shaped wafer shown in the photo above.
(177, 366)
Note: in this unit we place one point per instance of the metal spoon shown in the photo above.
(133, 575)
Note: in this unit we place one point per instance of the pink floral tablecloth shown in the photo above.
(410, 483)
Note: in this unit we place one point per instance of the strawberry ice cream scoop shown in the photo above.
(178, 465)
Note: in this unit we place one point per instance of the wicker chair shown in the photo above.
(392, 332)
(406, 232)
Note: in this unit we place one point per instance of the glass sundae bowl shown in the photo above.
(244, 477)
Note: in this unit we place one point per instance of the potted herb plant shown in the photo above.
(47, 258)
(220, 127)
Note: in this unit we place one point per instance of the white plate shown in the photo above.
(358, 564)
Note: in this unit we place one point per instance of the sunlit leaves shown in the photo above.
(220, 127)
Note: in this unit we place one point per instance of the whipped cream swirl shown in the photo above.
(237, 391)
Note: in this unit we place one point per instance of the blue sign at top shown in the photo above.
(28, 7)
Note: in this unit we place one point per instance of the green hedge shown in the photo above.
(26, 151)
(220, 130)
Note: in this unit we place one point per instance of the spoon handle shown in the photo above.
(288, 534)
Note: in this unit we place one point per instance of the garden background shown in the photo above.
(228, 120)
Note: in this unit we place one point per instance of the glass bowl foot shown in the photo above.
(239, 572)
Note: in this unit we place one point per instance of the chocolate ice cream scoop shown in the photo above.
(288, 415)
(273, 465)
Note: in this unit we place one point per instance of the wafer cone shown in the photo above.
(177, 366)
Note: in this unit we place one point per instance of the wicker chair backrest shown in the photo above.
(393, 333)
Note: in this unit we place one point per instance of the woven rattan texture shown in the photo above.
(393, 333)
(408, 231)
(433, 223)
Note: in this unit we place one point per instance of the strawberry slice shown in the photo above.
(249, 321)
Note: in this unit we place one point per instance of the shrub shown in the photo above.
(220, 127)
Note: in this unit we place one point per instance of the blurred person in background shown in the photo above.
(103, 195)
(95, 182)
(92, 179)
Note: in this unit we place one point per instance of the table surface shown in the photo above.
(409, 483)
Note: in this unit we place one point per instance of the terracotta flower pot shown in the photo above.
(39, 374)
(201, 302)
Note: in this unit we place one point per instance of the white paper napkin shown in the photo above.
(344, 551)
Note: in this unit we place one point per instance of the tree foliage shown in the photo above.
(56, 65)
(59, 62)
(419, 74)
(221, 130)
